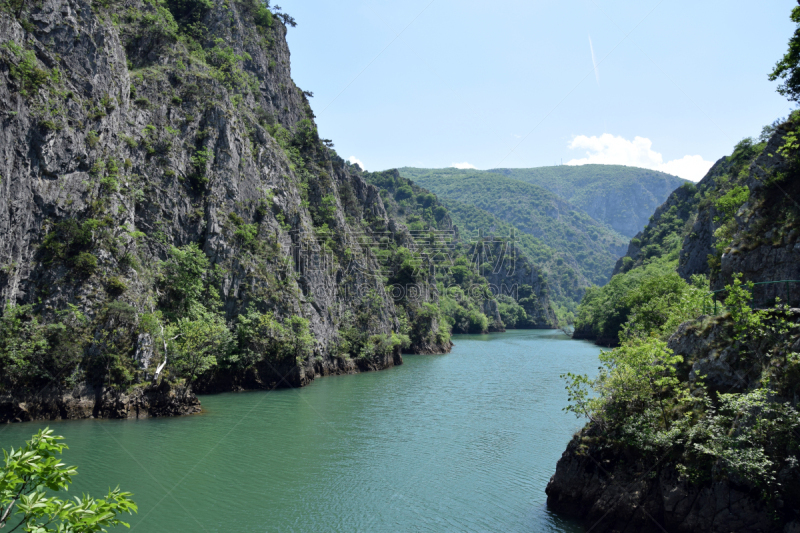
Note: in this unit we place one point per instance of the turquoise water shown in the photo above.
(459, 442)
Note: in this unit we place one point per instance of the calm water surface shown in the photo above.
(460, 442)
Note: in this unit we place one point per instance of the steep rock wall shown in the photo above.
(113, 120)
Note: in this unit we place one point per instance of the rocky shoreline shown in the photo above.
(618, 489)
(615, 491)
(164, 400)
(88, 402)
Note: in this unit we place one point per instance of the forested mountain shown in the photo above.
(535, 211)
(621, 197)
(172, 220)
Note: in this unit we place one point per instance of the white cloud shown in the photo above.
(356, 161)
(610, 150)
(463, 166)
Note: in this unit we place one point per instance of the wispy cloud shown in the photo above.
(463, 166)
(356, 161)
(594, 62)
(610, 150)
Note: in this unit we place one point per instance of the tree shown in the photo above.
(787, 68)
(23, 346)
(198, 342)
(263, 337)
(34, 469)
(183, 274)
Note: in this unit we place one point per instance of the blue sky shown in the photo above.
(513, 83)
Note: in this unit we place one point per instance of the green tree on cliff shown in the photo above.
(787, 68)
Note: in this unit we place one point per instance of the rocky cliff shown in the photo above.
(133, 128)
(616, 487)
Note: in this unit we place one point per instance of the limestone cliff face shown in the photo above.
(525, 283)
(761, 239)
(110, 121)
(765, 246)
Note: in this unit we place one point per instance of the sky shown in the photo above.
(671, 85)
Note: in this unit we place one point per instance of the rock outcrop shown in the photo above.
(616, 492)
(616, 488)
(86, 402)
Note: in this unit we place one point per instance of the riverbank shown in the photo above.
(87, 402)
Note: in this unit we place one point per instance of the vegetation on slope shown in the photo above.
(620, 197)
(562, 273)
(655, 252)
(709, 400)
(645, 400)
(461, 279)
(156, 258)
(535, 211)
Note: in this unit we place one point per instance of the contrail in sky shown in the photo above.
(594, 62)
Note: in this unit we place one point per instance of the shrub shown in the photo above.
(116, 286)
(92, 138)
(29, 76)
(85, 264)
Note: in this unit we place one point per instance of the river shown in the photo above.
(458, 442)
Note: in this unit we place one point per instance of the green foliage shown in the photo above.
(116, 286)
(306, 135)
(200, 340)
(786, 69)
(652, 297)
(731, 201)
(189, 16)
(32, 473)
(27, 73)
(226, 66)
(183, 276)
(325, 213)
(263, 337)
(748, 436)
(34, 352)
(634, 379)
(644, 401)
(92, 138)
(85, 264)
(23, 347)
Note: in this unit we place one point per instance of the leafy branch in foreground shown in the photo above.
(33, 470)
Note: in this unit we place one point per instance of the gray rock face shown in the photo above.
(128, 131)
(618, 494)
(86, 402)
(764, 247)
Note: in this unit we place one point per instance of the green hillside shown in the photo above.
(532, 210)
(619, 196)
(564, 276)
